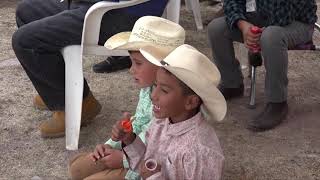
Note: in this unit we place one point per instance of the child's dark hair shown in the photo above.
(186, 90)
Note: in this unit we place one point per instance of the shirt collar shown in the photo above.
(179, 128)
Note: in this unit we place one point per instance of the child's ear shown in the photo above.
(193, 102)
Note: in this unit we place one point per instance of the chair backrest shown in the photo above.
(91, 29)
(92, 23)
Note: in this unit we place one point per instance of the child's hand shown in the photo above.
(119, 133)
(99, 152)
(250, 39)
(113, 159)
(146, 172)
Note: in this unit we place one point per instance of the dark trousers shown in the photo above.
(47, 26)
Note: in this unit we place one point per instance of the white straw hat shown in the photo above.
(149, 31)
(196, 71)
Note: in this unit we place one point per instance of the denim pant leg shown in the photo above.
(275, 41)
(37, 44)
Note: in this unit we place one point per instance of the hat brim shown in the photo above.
(153, 54)
(121, 41)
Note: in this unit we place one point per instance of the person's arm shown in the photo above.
(234, 10)
(134, 152)
(132, 145)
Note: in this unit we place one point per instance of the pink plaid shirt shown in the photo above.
(185, 150)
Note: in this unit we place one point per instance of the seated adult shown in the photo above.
(285, 24)
(47, 26)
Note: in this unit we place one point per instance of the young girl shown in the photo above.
(180, 144)
(107, 160)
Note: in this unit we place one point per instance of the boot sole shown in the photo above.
(38, 107)
(41, 108)
(254, 128)
(56, 135)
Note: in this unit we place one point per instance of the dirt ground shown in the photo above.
(289, 152)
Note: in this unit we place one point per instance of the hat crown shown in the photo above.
(189, 58)
(158, 32)
(150, 31)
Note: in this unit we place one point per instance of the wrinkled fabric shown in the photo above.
(184, 150)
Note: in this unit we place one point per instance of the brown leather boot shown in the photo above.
(272, 115)
(38, 103)
(55, 127)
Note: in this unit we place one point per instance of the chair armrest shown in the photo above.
(93, 18)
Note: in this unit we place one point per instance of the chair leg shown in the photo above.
(252, 103)
(188, 5)
(195, 6)
(73, 94)
(173, 10)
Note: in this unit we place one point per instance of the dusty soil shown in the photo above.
(289, 152)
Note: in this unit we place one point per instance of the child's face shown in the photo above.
(168, 99)
(142, 70)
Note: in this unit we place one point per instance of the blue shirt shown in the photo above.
(152, 8)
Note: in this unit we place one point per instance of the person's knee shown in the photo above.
(25, 38)
(16, 40)
(22, 7)
(271, 37)
(81, 166)
(74, 168)
(216, 28)
(21, 39)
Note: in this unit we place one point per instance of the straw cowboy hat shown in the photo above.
(197, 72)
(149, 31)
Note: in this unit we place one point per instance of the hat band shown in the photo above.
(163, 63)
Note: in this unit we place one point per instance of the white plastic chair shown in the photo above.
(89, 46)
(73, 65)
(173, 11)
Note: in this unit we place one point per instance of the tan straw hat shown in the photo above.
(149, 31)
(196, 71)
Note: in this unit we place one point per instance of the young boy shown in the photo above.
(107, 160)
(180, 144)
